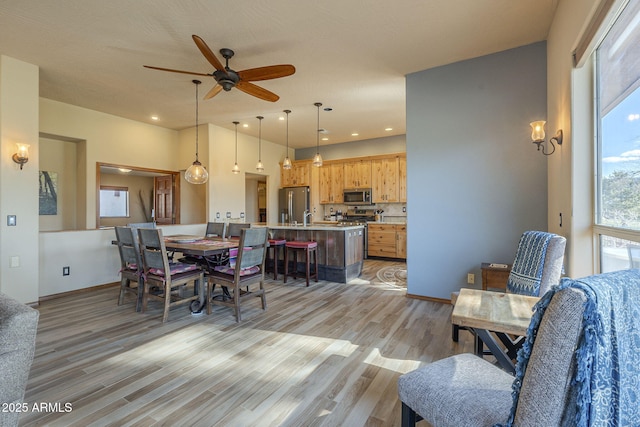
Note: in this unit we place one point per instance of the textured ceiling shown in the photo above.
(350, 55)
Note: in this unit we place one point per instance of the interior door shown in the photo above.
(164, 200)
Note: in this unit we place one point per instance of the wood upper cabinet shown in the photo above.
(357, 174)
(402, 178)
(385, 180)
(298, 176)
(331, 183)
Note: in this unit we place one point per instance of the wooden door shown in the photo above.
(163, 200)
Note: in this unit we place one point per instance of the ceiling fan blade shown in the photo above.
(176, 71)
(257, 91)
(266, 73)
(213, 92)
(208, 54)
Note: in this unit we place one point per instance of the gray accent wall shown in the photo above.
(475, 180)
(362, 148)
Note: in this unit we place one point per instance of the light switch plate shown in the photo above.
(11, 220)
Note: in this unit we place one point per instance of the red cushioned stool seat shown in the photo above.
(309, 247)
(275, 244)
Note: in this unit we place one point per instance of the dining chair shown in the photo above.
(170, 278)
(130, 264)
(215, 229)
(242, 273)
(579, 366)
(537, 266)
(234, 229)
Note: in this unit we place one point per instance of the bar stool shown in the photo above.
(276, 244)
(308, 248)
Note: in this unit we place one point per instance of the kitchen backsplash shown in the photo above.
(391, 211)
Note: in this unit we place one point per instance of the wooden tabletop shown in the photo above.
(198, 245)
(493, 311)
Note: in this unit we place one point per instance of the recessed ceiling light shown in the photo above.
(246, 125)
(388, 129)
(328, 109)
(154, 117)
(355, 134)
(124, 170)
(325, 139)
(281, 118)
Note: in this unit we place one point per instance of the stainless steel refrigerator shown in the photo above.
(293, 202)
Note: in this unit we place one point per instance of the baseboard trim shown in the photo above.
(422, 297)
(77, 291)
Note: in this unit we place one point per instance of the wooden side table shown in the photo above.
(494, 277)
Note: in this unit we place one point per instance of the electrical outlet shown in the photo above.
(241, 214)
(471, 278)
(65, 271)
(217, 215)
(14, 262)
(404, 209)
(228, 214)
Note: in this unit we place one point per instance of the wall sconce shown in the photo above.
(22, 156)
(537, 135)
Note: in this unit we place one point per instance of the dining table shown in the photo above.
(199, 246)
(490, 315)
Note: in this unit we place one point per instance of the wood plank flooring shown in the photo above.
(326, 355)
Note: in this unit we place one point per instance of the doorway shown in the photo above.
(255, 198)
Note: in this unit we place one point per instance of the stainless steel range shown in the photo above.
(359, 217)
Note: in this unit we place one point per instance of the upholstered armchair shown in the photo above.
(579, 366)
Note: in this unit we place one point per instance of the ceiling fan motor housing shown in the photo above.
(227, 81)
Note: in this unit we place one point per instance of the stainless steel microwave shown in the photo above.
(360, 196)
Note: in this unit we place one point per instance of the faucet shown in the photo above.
(304, 217)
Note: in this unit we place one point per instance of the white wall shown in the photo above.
(475, 180)
(19, 188)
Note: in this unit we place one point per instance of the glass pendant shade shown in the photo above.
(287, 163)
(236, 168)
(196, 173)
(537, 130)
(259, 166)
(317, 160)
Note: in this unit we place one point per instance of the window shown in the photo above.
(114, 201)
(618, 146)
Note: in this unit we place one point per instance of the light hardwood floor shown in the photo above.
(326, 355)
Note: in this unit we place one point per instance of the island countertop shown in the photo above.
(311, 227)
(340, 247)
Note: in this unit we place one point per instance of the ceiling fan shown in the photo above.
(226, 78)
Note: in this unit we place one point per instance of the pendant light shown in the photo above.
(196, 173)
(317, 159)
(287, 161)
(236, 169)
(260, 166)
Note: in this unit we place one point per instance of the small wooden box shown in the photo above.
(494, 277)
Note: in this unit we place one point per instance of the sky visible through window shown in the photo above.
(621, 137)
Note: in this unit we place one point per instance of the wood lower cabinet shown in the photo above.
(387, 240)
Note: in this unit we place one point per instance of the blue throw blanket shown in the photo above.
(607, 377)
(526, 273)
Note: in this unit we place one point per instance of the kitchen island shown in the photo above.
(340, 247)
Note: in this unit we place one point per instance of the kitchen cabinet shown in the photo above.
(357, 174)
(387, 240)
(331, 183)
(298, 176)
(385, 186)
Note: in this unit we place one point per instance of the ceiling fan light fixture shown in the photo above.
(196, 173)
(286, 164)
